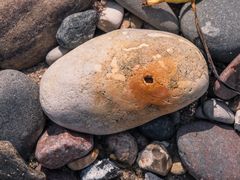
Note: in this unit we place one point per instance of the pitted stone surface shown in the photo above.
(136, 76)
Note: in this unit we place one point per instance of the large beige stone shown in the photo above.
(28, 29)
(123, 79)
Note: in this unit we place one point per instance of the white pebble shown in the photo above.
(55, 54)
(111, 17)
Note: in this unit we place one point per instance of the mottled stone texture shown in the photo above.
(209, 151)
(58, 146)
(28, 29)
(135, 77)
(13, 167)
(77, 29)
(21, 116)
(155, 158)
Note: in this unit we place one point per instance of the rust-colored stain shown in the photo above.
(150, 84)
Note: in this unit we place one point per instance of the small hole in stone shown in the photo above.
(148, 79)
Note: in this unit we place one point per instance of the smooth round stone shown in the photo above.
(209, 151)
(110, 17)
(55, 54)
(162, 128)
(218, 22)
(124, 147)
(218, 111)
(231, 76)
(21, 117)
(135, 77)
(160, 16)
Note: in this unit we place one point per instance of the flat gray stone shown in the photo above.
(160, 16)
(219, 20)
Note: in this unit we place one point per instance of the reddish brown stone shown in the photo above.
(210, 151)
(28, 29)
(231, 76)
(58, 146)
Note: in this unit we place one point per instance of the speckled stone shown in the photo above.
(218, 20)
(77, 29)
(209, 151)
(58, 146)
(21, 116)
(134, 78)
(155, 158)
(13, 167)
(28, 29)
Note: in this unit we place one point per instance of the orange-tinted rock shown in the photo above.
(28, 29)
(122, 80)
